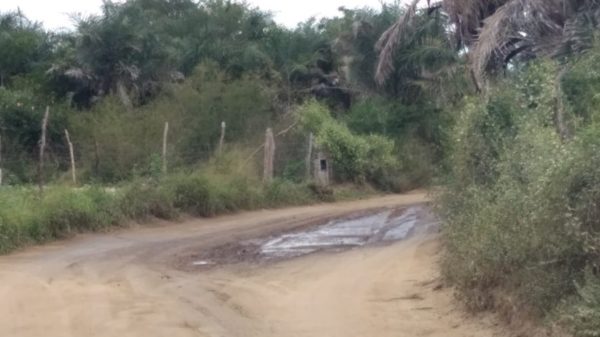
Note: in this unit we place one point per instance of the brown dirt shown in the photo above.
(127, 284)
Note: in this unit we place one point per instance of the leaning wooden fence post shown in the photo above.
(42, 149)
(72, 157)
(164, 151)
(222, 140)
(269, 156)
(309, 156)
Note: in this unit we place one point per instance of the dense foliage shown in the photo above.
(116, 79)
(521, 202)
(497, 100)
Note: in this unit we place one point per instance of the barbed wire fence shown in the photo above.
(285, 154)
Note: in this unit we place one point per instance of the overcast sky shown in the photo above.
(55, 14)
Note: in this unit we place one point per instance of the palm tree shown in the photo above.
(417, 48)
(495, 32)
(122, 52)
(23, 45)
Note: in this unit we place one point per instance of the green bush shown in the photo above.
(512, 232)
(418, 165)
(521, 204)
(25, 218)
(238, 193)
(281, 192)
(192, 194)
(142, 199)
(355, 158)
(17, 217)
(66, 211)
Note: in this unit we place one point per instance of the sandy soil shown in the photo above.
(127, 283)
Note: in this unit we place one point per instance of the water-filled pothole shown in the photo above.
(339, 234)
(383, 226)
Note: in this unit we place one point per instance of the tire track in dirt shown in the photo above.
(128, 283)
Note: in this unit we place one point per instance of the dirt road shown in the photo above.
(135, 283)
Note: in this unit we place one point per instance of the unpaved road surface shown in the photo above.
(204, 278)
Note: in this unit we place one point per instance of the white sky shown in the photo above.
(54, 14)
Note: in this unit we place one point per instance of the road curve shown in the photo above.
(129, 283)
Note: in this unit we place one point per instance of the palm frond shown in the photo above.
(77, 74)
(390, 40)
(539, 27)
(468, 16)
(498, 30)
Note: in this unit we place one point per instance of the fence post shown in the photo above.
(164, 151)
(269, 156)
(42, 149)
(222, 140)
(72, 156)
(309, 156)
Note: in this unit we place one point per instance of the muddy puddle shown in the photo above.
(342, 234)
(380, 227)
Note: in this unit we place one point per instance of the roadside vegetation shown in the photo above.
(519, 180)
(116, 80)
(63, 211)
(495, 102)
(520, 202)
